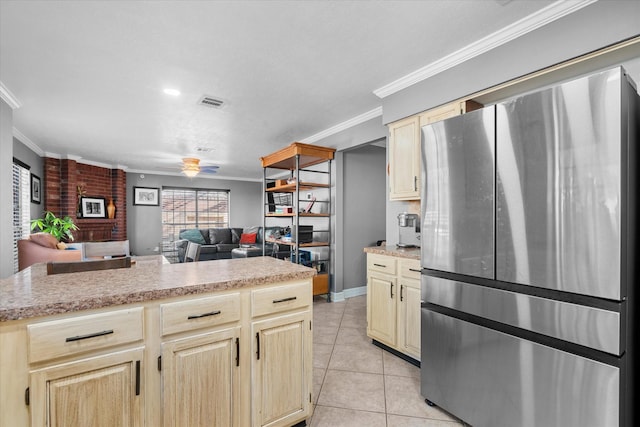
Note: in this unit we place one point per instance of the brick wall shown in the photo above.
(61, 181)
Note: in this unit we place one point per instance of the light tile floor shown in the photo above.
(358, 384)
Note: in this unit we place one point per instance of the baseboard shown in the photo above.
(348, 293)
(393, 351)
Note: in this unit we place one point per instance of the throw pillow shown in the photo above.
(219, 235)
(248, 238)
(193, 235)
(235, 235)
(44, 239)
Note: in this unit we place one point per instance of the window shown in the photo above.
(21, 206)
(191, 208)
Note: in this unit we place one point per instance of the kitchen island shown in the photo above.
(226, 341)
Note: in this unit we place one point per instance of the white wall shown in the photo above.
(29, 157)
(144, 223)
(6, 190)
(594, 27)
(364, 212)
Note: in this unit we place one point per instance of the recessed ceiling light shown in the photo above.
(172, 92)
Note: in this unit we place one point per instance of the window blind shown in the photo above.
(184, 208)
(21, 208)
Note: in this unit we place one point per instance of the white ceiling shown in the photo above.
(90, 75)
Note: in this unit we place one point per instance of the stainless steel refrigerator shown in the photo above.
(529, 226)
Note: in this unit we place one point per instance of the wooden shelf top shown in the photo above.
(286, 158)
(301, 245)
(291, 188)
(291, 215)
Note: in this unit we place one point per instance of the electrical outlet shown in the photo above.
(309, 196)
(156, 249)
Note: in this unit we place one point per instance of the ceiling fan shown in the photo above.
(191, 167)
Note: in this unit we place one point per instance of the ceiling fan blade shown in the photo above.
(209, 169)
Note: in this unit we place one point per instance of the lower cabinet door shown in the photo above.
(200, 380)
(102, 391)
(281, 370)
(409, 318)
(382, 308)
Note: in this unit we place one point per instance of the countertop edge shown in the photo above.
(8, 314)
(409, 253)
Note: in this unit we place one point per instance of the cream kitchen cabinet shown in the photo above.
(404, 159)
(78, 367)
(108, 387)
(236, 357)
(404, 148)
(281, 356)
(393, 302)
(201, 371)
(382, 307)
(409, 307)
(447, 111)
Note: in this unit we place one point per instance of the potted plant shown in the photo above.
(60, 228)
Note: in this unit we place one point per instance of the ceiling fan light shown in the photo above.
(190, 172)
(190, 166)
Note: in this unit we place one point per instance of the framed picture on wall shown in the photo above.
(93, 207)
(36, 189)
(146, 196)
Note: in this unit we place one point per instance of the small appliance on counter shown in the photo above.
(409, 230)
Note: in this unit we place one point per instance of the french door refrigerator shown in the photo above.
(529, 258)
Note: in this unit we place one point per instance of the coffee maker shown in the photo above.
(409, 229)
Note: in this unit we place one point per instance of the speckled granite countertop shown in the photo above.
(31, 293)
(412, 253)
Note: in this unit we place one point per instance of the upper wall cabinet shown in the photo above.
(404, 159)
(404, 148)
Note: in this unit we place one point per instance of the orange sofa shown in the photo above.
(39, 248)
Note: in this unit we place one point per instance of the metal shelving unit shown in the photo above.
(308, 170)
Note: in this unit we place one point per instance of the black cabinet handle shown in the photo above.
(415, 183)
(415, 271)
(401, 288)
(258, 345)
(391, 289)
(380, 265)
(137, 378)
(275, 301)
(198, 316)
(237, 351)
(93, 335)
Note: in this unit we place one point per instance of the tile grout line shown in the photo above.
(327, 367)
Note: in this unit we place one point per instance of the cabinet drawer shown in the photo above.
(65, 337)
(381, 263)
(280, 298)
(410, 268)
(199, 313)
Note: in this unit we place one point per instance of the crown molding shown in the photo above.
(26, 141)
(376, 112)
(200, 175)
(9, 97)
(79, 159)
(525, 25)
(92, 163)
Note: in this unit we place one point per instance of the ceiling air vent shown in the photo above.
(210, 101)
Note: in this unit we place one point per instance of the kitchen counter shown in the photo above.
(411, 253)
(31, 293)
(100, 335)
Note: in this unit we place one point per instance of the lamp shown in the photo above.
(190, 166)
